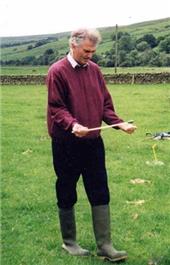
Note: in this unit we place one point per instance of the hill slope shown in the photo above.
(17, 48)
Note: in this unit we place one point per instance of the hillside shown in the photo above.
(18, 48)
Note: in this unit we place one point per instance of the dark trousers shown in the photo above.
(73, 157)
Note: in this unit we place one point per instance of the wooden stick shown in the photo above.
(107, 126)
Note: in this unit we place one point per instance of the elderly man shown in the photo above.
(78, 99)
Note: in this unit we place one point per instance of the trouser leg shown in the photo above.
(94, 173)
(67, 169)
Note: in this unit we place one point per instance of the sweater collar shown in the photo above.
(73, 62)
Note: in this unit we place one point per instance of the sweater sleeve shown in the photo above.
(57, 106)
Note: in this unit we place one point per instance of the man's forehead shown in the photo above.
(87, 44)
(89, 49)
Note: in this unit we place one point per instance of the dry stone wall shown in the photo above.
(147, 78)
(23, 79)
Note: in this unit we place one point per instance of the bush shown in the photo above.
(30, 47)
(164, 45)
(49, 52)
(126, 43)
(146, 56)
(96, 58)
(150, 39)
(142, 46)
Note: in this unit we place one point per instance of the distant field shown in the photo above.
(24, 70)
(42, 70)
(17, 52)
(139, 212)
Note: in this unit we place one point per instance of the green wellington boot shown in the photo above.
(68, 231)
(101, 226)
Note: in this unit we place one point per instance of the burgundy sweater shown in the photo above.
(77, 95)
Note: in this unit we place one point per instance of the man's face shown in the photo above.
(84, 52)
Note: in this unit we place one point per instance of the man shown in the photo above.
(77, 100)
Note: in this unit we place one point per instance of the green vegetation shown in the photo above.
(141, 44)
(140, 212)
(24, 70)
(125, 70)
(42, 70)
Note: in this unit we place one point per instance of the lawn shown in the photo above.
(139, 212)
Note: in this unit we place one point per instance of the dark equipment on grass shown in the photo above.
(159, 135)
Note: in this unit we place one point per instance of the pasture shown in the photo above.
(140, 217)
(42, 70)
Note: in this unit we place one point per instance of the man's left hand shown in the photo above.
(127, 127)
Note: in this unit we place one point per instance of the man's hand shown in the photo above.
(79, 130)
(127, 127)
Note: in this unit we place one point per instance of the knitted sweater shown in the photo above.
(77, 95)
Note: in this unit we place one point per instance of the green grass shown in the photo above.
(30, 228)
(21, 51)
(134, 70)
(42, 70)
(24, 70)
(156, 27)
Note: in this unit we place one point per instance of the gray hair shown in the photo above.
(78, 36)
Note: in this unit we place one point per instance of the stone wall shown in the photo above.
(147, 78)
(23, 79)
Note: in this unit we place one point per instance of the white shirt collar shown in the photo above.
(73, 62)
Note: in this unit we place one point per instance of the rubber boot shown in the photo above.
(68, 231)
(101, 226)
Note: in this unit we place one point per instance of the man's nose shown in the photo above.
(90, 55)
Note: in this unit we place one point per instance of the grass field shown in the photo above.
(139, 212)
(156, 27)
(42, 70)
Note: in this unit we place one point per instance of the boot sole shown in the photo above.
(104, 258)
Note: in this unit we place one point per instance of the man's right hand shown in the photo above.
(79, 130)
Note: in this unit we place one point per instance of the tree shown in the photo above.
(164, 45)
(155, 61)
(41, 42)
(142, 46)
(121, 57)
(96, 58)
(164, 59)
(119, 35)
(150, 39)
(159, 39)
(49, 52)
(146, 56)
(126, 43)
(30, 47)
(28, 60)
(109, 63)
